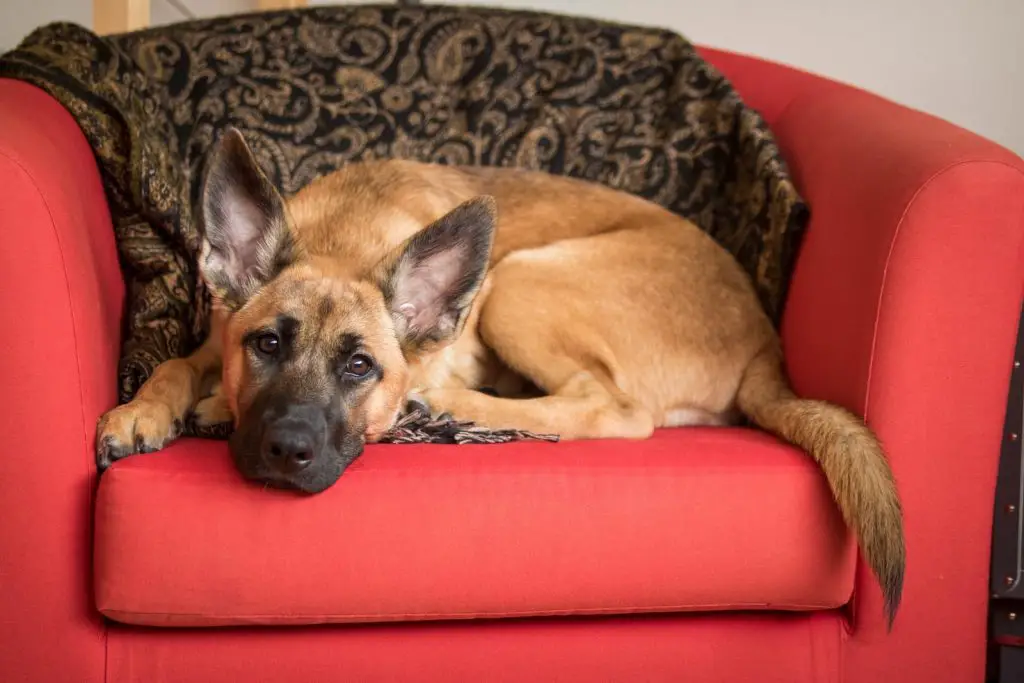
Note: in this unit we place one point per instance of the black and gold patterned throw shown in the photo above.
(313, 89)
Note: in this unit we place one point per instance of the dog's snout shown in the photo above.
(293, 444)
(289, 447)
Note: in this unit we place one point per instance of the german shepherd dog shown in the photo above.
(592, 312)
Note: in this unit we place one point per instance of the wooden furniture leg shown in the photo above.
(118, 16)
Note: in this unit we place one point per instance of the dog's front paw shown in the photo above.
(430, 402)
(416, 402)
(138, 427)
(213, 411)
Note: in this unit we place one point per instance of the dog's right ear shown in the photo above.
(246, 241)
(431, 281)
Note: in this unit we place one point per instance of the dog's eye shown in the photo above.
(268, 344)
(359, 366)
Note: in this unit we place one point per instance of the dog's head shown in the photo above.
(316, 350)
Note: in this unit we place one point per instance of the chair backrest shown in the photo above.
(634, 108)
(313, 89)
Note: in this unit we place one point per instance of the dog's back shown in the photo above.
(366, 208)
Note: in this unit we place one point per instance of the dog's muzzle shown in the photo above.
(294, 445)
(293, 441)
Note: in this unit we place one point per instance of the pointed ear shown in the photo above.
(431, 282)
(246, 241)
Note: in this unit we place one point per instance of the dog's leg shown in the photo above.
(155, 416)
(214, 409)
(581, 401)
(608, 328)
(582, 408)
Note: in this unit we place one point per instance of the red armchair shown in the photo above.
(711, 555)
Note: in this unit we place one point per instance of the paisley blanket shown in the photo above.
(312, 89)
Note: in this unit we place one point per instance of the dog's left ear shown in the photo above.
(431, 282)
(246, 240)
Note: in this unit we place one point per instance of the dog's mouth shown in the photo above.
(309, 471)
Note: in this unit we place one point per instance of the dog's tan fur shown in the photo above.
(626, 317)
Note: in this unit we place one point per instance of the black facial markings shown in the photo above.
(350, 343)
(325, 308)
(320, 321)
(288, 328)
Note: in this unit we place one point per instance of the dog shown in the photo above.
(593, 313)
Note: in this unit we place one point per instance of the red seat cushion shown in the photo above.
(691, 519)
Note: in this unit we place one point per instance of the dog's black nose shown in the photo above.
(289, 446)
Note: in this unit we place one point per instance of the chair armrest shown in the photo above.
(766, 86)
(903, 307)
(60, 300)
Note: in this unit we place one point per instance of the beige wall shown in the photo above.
(19, 17)
(960, 62)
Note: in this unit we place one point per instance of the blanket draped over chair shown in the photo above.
(637, 109)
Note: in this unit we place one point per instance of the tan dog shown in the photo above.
(594, 313)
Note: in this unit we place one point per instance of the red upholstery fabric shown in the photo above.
(903, 308)
(435, 532)
(60, 302)
(764, 85)
(725, 648)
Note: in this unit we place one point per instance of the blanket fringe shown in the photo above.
(415, 426)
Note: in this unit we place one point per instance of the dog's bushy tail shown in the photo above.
(850, 456)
